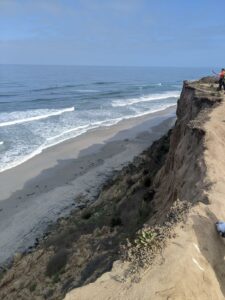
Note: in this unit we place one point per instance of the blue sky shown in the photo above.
(113, 32)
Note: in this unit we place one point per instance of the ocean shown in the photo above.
(41, 106)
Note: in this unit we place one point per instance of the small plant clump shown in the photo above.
(32, 287)
(130, 181)
(86, 214)
(57, 262)
(149, 195)
(150, 240)
(116, 221)
(145, 172)
(147, 181)
(145, 238)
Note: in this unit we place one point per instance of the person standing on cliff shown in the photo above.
(221, 79)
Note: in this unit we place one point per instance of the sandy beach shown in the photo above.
(39, 191)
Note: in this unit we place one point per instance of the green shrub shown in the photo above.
(147, 181)
(130, 181)
(32, 287)
(116, 221)
(145, 238)
(149, 195)
(145, 171)
(144, 211)
(86, 214)
(57, 262)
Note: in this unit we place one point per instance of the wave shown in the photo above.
(80, 130)
(21, 160)
(87, 91)
(67, 131)
(104, 82)
(52, 141)
(150, 85)
(7, 95)
(151, 97)
(50, 88)
(105, 123)
(177, 86)
(36, 115)
(1, 143)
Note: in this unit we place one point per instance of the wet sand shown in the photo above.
(39, 191)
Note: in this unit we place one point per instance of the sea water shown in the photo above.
(41, 106)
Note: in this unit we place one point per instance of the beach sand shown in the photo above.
(48, 186)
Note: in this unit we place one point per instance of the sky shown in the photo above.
(113, 32)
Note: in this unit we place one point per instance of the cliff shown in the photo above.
(165, 204)
(191, 266)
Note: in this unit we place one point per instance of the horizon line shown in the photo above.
(102, 66)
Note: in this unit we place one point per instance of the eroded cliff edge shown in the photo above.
(176, 186)
(191, 266)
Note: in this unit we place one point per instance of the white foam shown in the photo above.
(1, 143)
(106, 123)
(150, 84)
(64, 136)
(54, 140)
(66, 132)
(21, 160)
(179, 86)
(151, 97)
(33, 115)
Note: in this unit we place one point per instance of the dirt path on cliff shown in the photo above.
(192, 265)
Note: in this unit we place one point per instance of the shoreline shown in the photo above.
(122, 122)
(38, 192)
(64, 151)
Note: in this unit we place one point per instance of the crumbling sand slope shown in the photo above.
(192, 265)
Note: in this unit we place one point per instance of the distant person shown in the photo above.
(220, 227)
(221, 76)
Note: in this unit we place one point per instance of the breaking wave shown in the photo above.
(151, 97)
(31, 115)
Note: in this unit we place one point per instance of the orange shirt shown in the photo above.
(222, 74)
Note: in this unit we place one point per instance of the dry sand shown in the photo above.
(46, 187)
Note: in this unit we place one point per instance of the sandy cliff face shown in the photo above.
(192, 264)
(183, 175)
